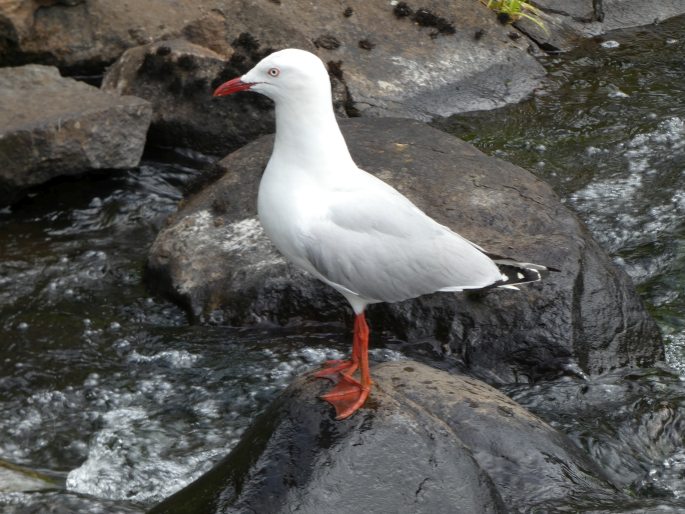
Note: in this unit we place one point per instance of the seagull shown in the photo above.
(348, 228)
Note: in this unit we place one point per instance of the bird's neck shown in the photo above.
(307, 134)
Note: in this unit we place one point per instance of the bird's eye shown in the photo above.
(274, 72)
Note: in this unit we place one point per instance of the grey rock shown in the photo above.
(620, 14)
(86, 35)
(410, 70)
(214, 259)
(178, 78)
(51, 126)
(428, 441)
(570, 20)
(402, 67)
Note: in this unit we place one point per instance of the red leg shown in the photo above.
(350, 394)
(333, 370)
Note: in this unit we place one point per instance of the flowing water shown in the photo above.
(607, 131)
(110, 400)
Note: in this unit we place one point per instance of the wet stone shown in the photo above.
(52, 126)
(587, 317)
(410, 450)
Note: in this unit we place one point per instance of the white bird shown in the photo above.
(347, 227)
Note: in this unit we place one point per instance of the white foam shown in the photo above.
(615, 207)
(675, 351)
(173, 358)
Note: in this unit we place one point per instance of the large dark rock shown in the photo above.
(423, 60)
(178, 78)
(214, 259)
(427, 442)
(89, 34)
(51, 126)
(420, 65)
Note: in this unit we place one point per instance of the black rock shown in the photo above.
(426, 442)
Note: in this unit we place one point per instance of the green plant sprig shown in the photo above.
(515, 10)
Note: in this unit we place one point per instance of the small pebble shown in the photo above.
(610, 44)
(23, 326)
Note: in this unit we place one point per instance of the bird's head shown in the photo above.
(284, 75)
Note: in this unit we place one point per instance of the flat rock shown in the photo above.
(214, 259)
(567, 21)
(427, 441)
(51, 126)
(618, 14)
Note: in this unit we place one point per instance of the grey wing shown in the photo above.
(382, 247)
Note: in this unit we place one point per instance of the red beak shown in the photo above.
(232, 86)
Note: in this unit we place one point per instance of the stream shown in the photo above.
(110, 400)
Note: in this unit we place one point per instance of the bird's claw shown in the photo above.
(347, 396)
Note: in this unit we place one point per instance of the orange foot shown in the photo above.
(347, 397)
(333, 370)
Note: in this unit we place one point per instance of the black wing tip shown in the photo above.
(500, 259)
(520, 272)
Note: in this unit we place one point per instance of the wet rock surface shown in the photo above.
(594, 17)
(428, 441)
(51, 126)
(214, 259)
